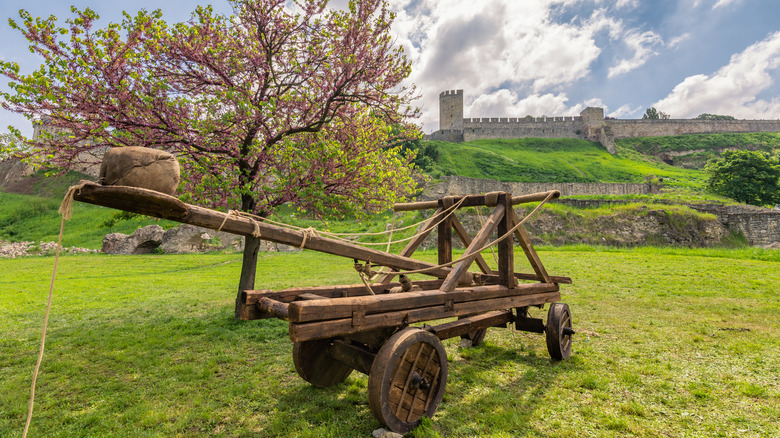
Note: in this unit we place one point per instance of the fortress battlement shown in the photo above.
(589, 125)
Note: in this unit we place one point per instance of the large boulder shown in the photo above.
(142, 241)
(187, 239)
(140, 167)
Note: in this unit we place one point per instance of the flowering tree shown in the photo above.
(273, 104)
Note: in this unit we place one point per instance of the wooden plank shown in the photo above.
(465, 325)
(474, 200)
(444, 237)
(353, 290)
(506, 247)
(413, 244)
(151, 203)
(451, 282)
(320, 310)
(528, 248)
(493, 279)
(466, 239)
(342, 327)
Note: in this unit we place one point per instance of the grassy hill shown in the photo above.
(555, 160)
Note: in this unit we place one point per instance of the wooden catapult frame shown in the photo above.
(365, 326)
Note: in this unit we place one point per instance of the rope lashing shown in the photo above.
(256, 233)
(307, 233)
(507, 235)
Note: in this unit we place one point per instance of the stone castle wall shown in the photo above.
(542, 127)
(590, 125)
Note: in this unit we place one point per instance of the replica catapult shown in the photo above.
(367, 327)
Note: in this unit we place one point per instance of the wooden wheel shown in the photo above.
(315, 366)
(559, 331)
(475, 336)
(407, 379)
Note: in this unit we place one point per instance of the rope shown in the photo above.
(255, 233)
(308, 232)
(488, 245)
(66, 209)
(313, 232)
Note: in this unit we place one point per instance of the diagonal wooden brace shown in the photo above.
(471, 253)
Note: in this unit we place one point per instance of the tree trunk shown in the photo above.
(248, 270)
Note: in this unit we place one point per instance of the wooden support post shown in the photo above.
(506, 261)
(452, 280)
(445, 234)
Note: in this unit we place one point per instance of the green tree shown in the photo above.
(714, 117)
(654, 114)
(746, 176)
(281, 102)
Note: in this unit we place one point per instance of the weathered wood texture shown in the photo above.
(361, 321)
(498, 318)
(460, 268)
(156, 204)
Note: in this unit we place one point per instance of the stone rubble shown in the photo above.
(23, 249)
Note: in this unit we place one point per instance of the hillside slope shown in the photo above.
(555, 160)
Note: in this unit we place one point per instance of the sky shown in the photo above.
(514, 58)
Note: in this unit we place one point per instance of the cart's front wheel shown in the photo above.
(558, 331)
(407, 379)
(315, 366)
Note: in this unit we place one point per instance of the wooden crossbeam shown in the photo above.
(451, 282)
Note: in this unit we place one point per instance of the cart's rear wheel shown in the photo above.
(315, 366)
(407, 379)
(559, 331)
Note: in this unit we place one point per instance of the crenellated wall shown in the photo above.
(543, 127)
(589, 125)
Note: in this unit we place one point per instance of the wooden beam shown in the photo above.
(464, 237)
(343, 327)
(470, 323)
(319, 310)
(474, 200)
(444, 235)
(251, 297)
(525, 243)
(471, 253)
(151, 203)
(506, 251)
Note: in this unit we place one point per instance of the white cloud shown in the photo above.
(485, 46)
(732, 90)
(625, 111)
(676, 41)
(644, 45)
(504, 103)
(724, 3)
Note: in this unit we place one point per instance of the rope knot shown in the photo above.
(307, 234)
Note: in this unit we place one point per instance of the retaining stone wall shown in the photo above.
(459, 186)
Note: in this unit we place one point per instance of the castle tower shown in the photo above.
(451, 109)
(593, 119)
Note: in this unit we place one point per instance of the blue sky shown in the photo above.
(547, 57)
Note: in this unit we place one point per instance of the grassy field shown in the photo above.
(556, 160)
(671, 342)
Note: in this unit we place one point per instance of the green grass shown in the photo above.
(671, 342)
(33, 218)
(555, 160)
